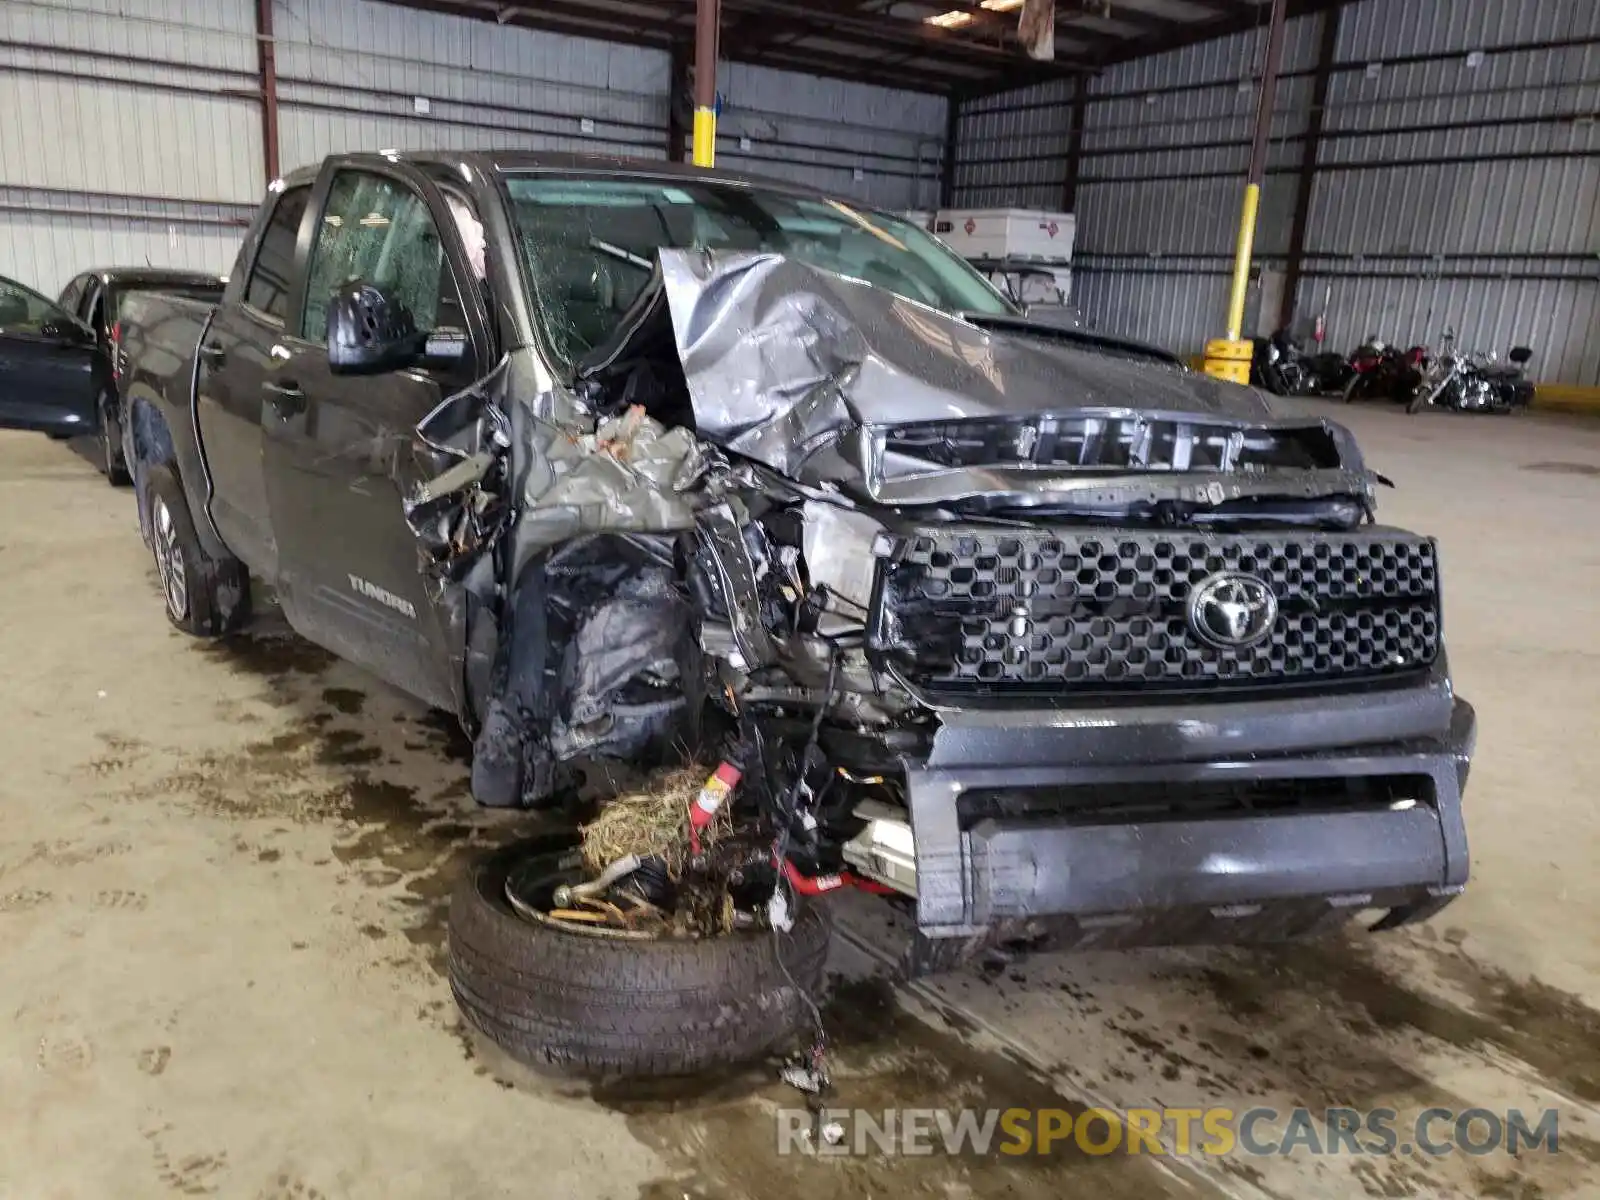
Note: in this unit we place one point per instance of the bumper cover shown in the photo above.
(1237, 877)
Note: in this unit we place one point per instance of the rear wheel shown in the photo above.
(112, 463)
(205, 596)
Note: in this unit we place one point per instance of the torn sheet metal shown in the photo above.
(631, 475)
(459, 507)
(502, 458)
(807, 372)
(781, 358)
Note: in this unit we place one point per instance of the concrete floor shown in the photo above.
(222, 874)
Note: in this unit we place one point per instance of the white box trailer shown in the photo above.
(1008, 234)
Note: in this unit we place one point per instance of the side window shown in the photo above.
(72, 295)
(377, 230)
(96, 316)
(267, 289)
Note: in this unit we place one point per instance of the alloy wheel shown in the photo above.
(169, 559)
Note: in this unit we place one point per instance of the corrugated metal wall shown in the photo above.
(1503, 249)
(99, 111)
(877, 145)
(130, 130)
(351, 75)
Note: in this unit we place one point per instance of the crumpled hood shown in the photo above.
(782, 358)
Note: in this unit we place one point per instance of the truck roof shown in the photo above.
(499, 162)
(113, 276)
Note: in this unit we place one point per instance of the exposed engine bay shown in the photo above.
(784, 520)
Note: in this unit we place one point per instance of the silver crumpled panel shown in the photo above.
(782, 358)
(502, 458)
(631, 475)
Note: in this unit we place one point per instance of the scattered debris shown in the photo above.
(652, 822)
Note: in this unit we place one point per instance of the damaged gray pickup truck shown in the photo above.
(1031, 629)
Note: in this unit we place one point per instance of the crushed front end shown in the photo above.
(1039, 638)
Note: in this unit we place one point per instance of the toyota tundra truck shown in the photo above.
(1022, 628)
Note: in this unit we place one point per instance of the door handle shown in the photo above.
(286, 398)
(212, 353)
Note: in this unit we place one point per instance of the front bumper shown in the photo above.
(1099, 880)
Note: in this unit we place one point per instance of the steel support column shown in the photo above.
(680, 104)
(1229, 357)
(1316, 121)
(267, 66)
(707, 31)
(1080, 117)
(952, 144)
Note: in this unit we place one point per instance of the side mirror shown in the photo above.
(1521, 355)
(369, 333)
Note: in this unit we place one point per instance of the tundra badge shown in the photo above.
(373, 592)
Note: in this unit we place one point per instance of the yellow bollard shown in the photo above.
(1229, 358)
(705, 137)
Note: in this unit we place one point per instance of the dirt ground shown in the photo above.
(223, 871)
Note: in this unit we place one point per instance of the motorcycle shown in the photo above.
(1384, 372)
(1466, 383)
(1283, 368)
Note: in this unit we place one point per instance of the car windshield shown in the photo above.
(589, 246)
(23, 310)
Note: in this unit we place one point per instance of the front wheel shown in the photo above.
(112, 463)
(587, 1003)
(205, 596)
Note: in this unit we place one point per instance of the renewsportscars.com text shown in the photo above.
(1216, 1132)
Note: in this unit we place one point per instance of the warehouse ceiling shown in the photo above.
(967, 46)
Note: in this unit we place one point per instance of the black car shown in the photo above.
(96, 298)
(52, 376)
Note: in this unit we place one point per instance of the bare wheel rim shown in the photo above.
(169, 559)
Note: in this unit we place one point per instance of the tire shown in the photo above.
(205, 596)
(598, 1006)
(112, 463)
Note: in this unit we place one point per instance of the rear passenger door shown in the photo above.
(239, 358)
(339, 448)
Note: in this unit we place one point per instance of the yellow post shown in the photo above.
(1229, 358)
(705, 137)
(1241, 259)
(707, 35)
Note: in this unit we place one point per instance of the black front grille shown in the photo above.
(978, 610)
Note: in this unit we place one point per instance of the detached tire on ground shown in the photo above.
(205, 596)
(602, 1006)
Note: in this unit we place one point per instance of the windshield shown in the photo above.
(589, 245)
(23, 310)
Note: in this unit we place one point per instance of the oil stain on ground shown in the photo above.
(1563, 468)
(1554, 1033)
(339, 763)
(721, 1138)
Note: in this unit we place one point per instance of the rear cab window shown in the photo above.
(272, 273)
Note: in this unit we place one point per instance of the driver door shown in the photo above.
(339, 458)
(49, 366)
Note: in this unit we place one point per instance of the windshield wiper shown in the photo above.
(621, 255)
